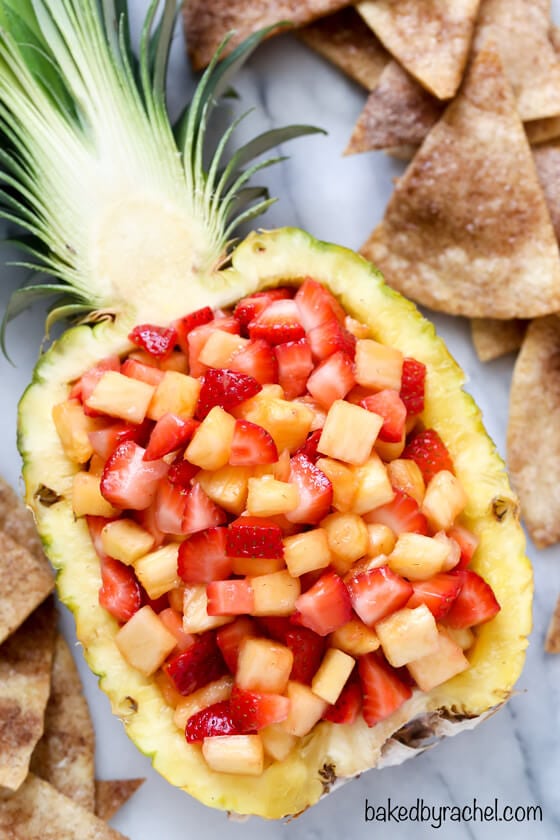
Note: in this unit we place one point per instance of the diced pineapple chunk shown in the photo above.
(349, 432)
(144, 641)
(73, 428)
(444, 500)
(439, 666)
(389, 451)
(263, 665)
(357, 329)
(347, 537)
(226, 486)
(195, 614)
(177, 394)
(125, 540)
(157, 571)
(407, 634)
(96, 465)
(121, 396)
(453, 548)
(275, 594)
(209, 694)
(220, 348)
(87, 499)
(211, 444)
(378, 366)
(373, 485)
(175, 361)
(307, 551)
(417, 557)
(256, 566)
(355, 638)
(269, 497)
(277, 743)
(381, 540)
(332, 674)
(343, 480)
(239, 754)
(267, 393)
(287, 422)
(462, 636)
(405, 475)
(305, 709)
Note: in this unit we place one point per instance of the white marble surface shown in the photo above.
(515, 756)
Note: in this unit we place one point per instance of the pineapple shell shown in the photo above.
(330, 754)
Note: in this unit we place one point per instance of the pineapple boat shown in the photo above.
(290, 548)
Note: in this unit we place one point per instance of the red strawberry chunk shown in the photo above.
(277, 323)
(170, 504)
(182, 472)
(147, 519)
(325, 606)
(467, 542)
(209, 722)
(401, 515)
(316, 305)
(251, 307)
(189, 322)
(332, 379)
(201, 512)
(388, 405)
(382, 690)
(257, 359)
(120, 593)
(173, 621)
(202, 558)
(329, 338)
(251, 711)
(295, 364)
(105, 441)
(197, 666)
(309, 448)
(475, 603)
(348, 706)
(144, 373)
(251, 445)
(128, 481)
(157, 341)
(169, 433)
(229, 639)
(437, 593)
(429, 452)
(307, 647)
(252, 536)
(226, 388)
(197, 338)
(412, 386)
(95, 526)
(377, 593)
(230, 597)
(314, 488)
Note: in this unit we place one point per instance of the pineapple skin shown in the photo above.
(332, 753)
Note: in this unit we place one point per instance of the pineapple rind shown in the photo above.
(266, 259)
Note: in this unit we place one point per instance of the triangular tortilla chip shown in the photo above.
(39, 812)
(112, 794)
(17, 522)
(207, 22)
(398, 112)
(547, 161)
(492, 338)
(349, 43)
(64, 756)
(25, 582)
(552, 641)
(539, 131)
(533, 444)
(467, 230)
(431, 38)
(25, 677)
(521, 30)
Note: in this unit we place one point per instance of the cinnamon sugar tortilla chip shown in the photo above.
(467, 230)
(431, 38)
(25, 581)
(547, 161)
(25, 676)
(533, 447)
(398, 112)
(65, 754)
(552, 641)
(207, 22)
(39, 812)
(17, 522)
(112, 794)
(404, 152)
(492, 338)
(539, 131)
(346, 41)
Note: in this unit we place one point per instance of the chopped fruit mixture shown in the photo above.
(279, 535)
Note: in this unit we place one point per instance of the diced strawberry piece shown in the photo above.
(307, 647)
(251, 445)
(430, 453)
(83, 388)
(277, 323)
(257, 359)
(332, 379)
(437, 593)
(201, 512)
(210, 722)
(173, 621)
(226, 388)
(170, 504)
(388, 405)
(316, 305)
(95, 526)
(197, 338)
(120, 593)
(145, 373)
(169, 433)
(252, 536)
(401, 515)
(467, 542)
(314, 488)
(251, 711)
(295, 363)
(156, 604)
(157, 341)
(348, 706)
(147, 519)
(229, 639)
(251, 307)
(189, 322)
(230, 597)
(197, 666)
(325, 607)
(383, 691)
(105, 441)
(129, 482)
(309, 448)
(475, 603)
(329, 338)
(202, 558)
(377, 593)
(182, 472)
(412, 386)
